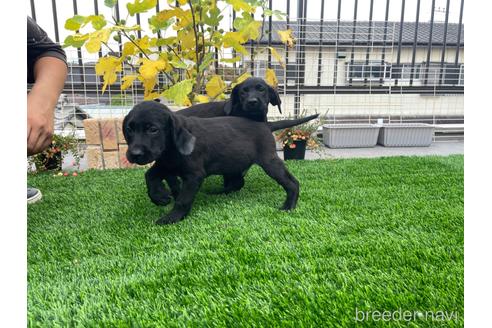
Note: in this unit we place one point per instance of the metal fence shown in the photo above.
(346, 68)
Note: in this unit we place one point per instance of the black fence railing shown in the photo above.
(342, 53)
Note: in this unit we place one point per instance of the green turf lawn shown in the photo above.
(376, 234)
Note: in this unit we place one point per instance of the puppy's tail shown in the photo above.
(284, 124)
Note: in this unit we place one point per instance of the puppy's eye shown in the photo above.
(260, 88)
(152, 130)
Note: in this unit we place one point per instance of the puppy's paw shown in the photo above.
(288, 207)
(170, 218)
(161, 200)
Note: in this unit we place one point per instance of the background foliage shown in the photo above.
(180, 46)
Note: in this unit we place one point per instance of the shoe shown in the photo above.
(33, 195)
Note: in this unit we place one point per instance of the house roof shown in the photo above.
(363, 29)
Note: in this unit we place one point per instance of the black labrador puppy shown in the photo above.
(248, 99)
(184, 147)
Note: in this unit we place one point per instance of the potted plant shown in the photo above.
(350, 135)
(295, 140)
(406, 135)
(52, 157)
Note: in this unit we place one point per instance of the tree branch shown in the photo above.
(198, 61)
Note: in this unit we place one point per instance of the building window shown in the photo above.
(445, 74)
(404, 72)
(451, 74)
(462, 75)
(373, 71)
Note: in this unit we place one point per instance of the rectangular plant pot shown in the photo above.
(350, 135)
(406, 135)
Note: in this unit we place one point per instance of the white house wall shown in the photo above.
(395, 105)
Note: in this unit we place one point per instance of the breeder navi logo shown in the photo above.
(404, 315)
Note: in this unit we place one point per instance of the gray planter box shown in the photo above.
(350, 135)
(406, 135)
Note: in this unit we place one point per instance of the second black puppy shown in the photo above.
(184, 147)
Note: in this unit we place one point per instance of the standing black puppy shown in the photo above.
(184, 147)
(249, 99)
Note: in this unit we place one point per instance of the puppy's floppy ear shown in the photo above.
(233, 101)
(183, 139)
(123, 127)
(274, 98)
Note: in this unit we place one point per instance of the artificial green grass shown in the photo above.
(372, 234)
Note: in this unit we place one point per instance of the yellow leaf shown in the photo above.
(277, 56)
(183, 2)
(187, 102)
(215, 86)
(241, 78)
(201, 99)
(127, 81)
(231, 60)
(241, 5)
(286, 37)
(95, 39)
(151, 96)
(187, 39)
(143, 43)
(108, 67)
(128, 49)
(184, 18)
(148, 85)
(271, 77)
(150, 68)
(235, 39)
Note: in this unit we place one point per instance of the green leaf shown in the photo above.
(76, 41)
(178, 93)
(140, 6)
(160, 22)
(110, 3)
(230, 60)
(98, 22)
(247, 26)
(241, 21)
(165, 41)
(214, 18)
(277, 13)
(178, 63)
(74, 23)
(209, 58)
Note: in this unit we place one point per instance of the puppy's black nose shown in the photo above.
(137, 152)
(253, 102)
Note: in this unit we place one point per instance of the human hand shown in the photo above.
(40, 123)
